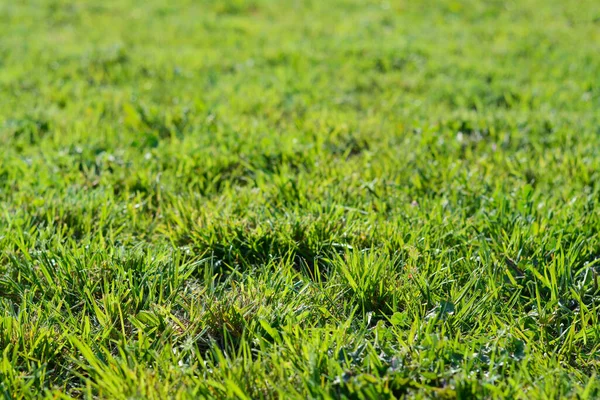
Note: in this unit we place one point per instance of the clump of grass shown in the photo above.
(372, 280)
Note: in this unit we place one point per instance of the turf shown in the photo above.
(300, 199)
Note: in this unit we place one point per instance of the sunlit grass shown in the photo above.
(299, 199)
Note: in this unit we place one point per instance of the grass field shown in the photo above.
(300, 199)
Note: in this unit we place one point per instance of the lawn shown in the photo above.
(300, 199)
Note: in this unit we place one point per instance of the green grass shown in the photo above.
(300, 199)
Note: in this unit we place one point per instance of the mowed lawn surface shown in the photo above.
(300, 199)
